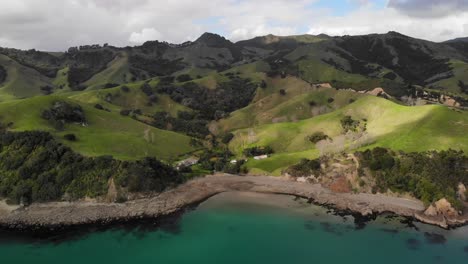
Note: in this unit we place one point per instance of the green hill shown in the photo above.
(398, 127)
(106, 133)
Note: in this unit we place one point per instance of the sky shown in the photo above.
(55, 25)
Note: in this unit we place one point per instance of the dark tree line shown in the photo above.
(35, 167)
(62, 113)
(3, 74)
(429, 175)
(212, 103)
(185, 122)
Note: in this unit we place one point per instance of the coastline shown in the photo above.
(63, 215)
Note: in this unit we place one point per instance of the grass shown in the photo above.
(269, 106)
(21, 81)
(421, 128)
(460, 71)
(133, 99)
(107, 133)
(117, 71)
(61, 80)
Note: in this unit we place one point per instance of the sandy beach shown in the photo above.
(63, 214)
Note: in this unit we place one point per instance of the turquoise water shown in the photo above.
(231, 229)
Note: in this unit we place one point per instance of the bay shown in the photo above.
(251, 228)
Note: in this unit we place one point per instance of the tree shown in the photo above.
(184, 78)
(70, 137)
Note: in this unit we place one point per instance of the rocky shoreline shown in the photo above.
(65, 215)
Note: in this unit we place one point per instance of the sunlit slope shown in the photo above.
(107, 133)
(421, 128)
(133, 98)
(300, 101)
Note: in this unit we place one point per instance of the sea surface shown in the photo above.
(248, 228)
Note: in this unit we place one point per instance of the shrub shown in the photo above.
(125, 112)
(227, 138)
(257, 151)
(125, 89)
(349, 124)
(330, 100)
(282, 92)
(305, 167)
(147, 89)
(70, 137)
(317, 136)
(184, 78)
(62, 112)
(110, 85)
(98, 106)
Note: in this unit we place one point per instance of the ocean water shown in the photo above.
(247, 228)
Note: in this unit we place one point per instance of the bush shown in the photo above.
(147, 89)
(70, 137)
(349, 124)
(257, 151)
(305, 167)
(227, 138)
(62, 113)
(98, 106)
(125, 89)
(110, 85)
(184, 78)
(125, 112)
(330, 100)
(282, 92)
(317, 136)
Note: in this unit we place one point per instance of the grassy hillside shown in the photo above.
(421, 128)
(134, 98)
(300, 101)
(460, 72)
(107, 133)
(21, 81)
(117, 71)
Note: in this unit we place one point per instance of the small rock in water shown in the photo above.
(390, 231)
(432, 238)
(413, 243)
(309, 225)
(329, 228)
(465, 249)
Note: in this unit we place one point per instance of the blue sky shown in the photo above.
(59, 24)
(344, 7)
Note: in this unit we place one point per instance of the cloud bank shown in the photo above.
(59, 24)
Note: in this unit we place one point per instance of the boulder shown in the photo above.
(431, 211)
(461, 192)
(442, 207)
(445, 208)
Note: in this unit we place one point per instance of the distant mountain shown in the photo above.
(457, 40)
(390, 60)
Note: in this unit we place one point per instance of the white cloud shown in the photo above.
(59, 24)
(145, 35)
(367, 20)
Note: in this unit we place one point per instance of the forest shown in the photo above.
(34, 167)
